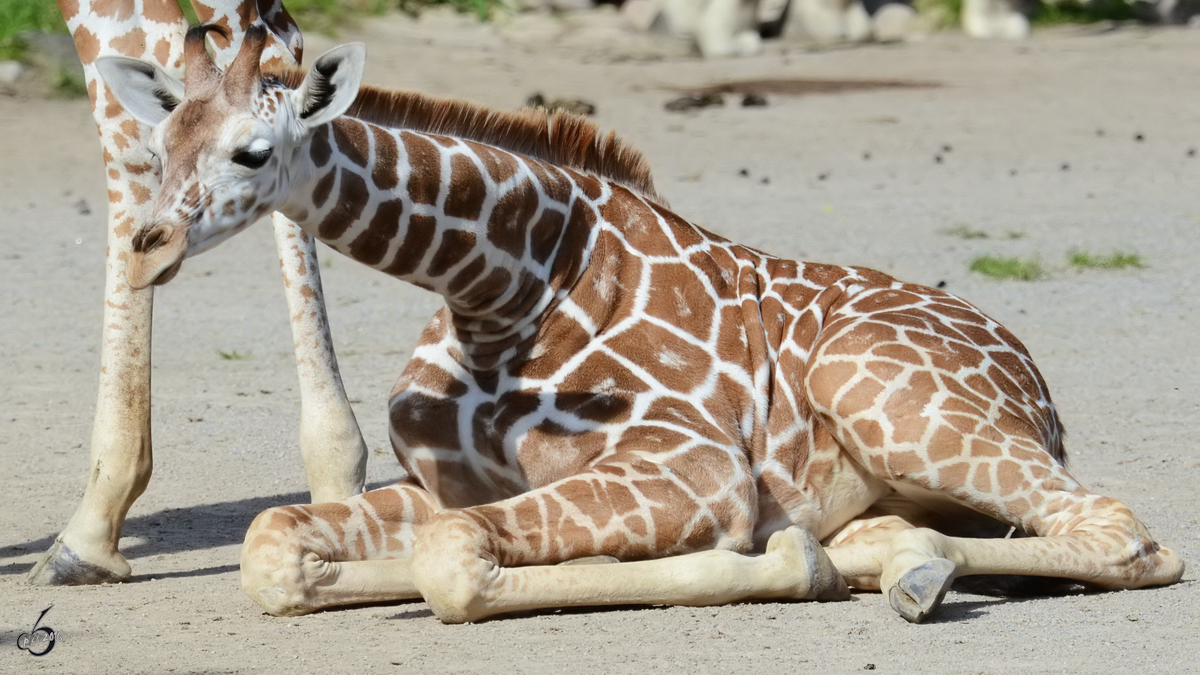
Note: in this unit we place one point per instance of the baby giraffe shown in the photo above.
(608, 383)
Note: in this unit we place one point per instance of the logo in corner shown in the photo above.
(38, 641)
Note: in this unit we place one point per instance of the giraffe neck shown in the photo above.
(498, 235)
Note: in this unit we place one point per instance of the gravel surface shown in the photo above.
(1035, 144)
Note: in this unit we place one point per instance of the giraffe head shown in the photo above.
(224, 141)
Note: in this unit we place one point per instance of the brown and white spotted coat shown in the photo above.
(607, 379)
(334, 454)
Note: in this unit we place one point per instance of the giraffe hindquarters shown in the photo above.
(944, 404)
(299, 559)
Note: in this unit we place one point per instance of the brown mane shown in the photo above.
(558, 138)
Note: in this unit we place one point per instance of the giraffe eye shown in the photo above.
(252, 159)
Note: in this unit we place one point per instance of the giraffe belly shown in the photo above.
(822, 497)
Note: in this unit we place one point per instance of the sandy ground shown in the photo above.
(1040, 141)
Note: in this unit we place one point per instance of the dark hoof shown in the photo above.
(61, 567)
(919, 592)
(828, 584)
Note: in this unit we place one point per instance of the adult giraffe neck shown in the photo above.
(499, 235)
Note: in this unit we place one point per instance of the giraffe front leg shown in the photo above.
(473, 563)
(120, 455)
(462, 583)
(86, 550)
(331, 444)
(299, 559)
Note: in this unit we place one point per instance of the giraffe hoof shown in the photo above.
(61, 566)
(919, 592)
(801, 553)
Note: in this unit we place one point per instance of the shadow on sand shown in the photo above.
(190, 528)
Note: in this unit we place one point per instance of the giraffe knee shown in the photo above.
(278, 571)
(451, 567)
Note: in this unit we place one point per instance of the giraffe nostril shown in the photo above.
(147, 241)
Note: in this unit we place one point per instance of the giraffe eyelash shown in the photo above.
(252, 159)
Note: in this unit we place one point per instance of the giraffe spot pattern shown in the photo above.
(384, 171)
(418, 237)
(69, 9)
(319, 149)
(132, 43)
(87, 45)
(371, 246)
(467, 274)
(486, 290)
(118, 10)
(351, 138)
(352, 195)
(466, 191)
(545, 235)
(425, 162)
(510, 218)
(454, 247)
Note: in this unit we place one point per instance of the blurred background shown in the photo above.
(35, 52)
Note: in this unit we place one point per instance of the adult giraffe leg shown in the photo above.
(121, 459)
(85, 552)
(331, 444)
(939, 400)
(477, 562)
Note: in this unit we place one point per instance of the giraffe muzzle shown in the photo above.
(156, 257)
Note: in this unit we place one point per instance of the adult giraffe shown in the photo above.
(607, 379)
(330, 442)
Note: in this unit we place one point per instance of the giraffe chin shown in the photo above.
(138, 276)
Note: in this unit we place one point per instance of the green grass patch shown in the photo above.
(1021, 269)
(483, 9)
(1092, 11)
(327, 16)
(940, 14)
(233, 355)
(69, 83)
(18, 16)
(1114, 261)
(964, 232)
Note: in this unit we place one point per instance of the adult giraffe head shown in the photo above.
(223, 140)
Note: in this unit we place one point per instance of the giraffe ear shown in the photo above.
(143, 89)
(331, 85)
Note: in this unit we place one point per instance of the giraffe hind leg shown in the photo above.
(955, 409)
